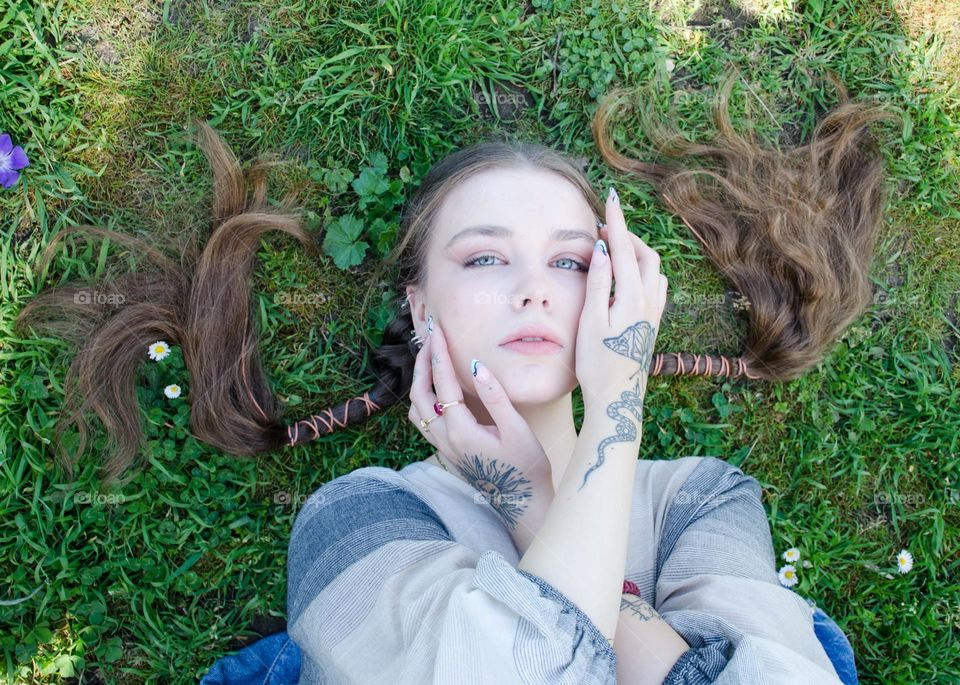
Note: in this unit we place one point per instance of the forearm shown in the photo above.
(581, 547)
(647, 647)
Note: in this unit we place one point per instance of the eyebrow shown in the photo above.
(561, 234)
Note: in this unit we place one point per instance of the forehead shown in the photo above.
(524, 200)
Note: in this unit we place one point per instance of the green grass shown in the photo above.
(858, 459)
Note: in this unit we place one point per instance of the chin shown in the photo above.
(536, 392)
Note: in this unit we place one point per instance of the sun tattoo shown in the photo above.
(502, 486)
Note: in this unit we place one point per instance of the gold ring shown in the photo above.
(438, 407)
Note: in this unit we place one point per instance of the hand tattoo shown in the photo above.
(636, 343)
(503, 487)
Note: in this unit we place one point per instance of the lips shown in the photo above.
(532, 331)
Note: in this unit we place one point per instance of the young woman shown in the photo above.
(522, 549)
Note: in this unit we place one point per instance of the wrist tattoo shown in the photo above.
(626, 430)
(637, 607)
(636, 343)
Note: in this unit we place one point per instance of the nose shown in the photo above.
(533, 288)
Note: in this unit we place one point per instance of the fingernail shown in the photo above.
(480, 372)
(600, 252)
(612, 195)
(430, 325)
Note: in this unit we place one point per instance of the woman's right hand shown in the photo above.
(505, 463)
(616, 335)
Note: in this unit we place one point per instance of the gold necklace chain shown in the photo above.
(441, 462)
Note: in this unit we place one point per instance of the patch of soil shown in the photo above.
(264, 626)
(720, 15)
(107, 33)
(511, 101)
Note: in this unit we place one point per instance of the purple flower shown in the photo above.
(11, 159)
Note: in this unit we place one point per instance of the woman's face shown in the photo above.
(527, 275)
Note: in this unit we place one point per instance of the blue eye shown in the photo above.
(581, 265)
(473, 262)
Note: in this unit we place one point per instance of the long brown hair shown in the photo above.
(792, 230)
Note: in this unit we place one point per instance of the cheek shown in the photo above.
(465, 332)
(574, 298)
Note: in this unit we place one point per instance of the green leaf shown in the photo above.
(187, 565)
(370, 182)
(33, 387)
(337, 180)
(362, 28)
(378, 161)
(43, 634)
(113, 651)
(64, 665)
(342, 241)
(907, 126)
(387, 239)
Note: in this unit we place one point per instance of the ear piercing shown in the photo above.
(416, 339)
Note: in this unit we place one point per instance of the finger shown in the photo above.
(457, 418)
(421, 389)
(599, 278)
(648, 259)
(625, 268)
(495, 399)
(414, 417)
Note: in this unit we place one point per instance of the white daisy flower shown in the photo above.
(904, 561)
(791, 555)
(806, 564)
(159, 350)
(788, 575)
(172, 390)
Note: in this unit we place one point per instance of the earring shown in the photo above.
(416, 339)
